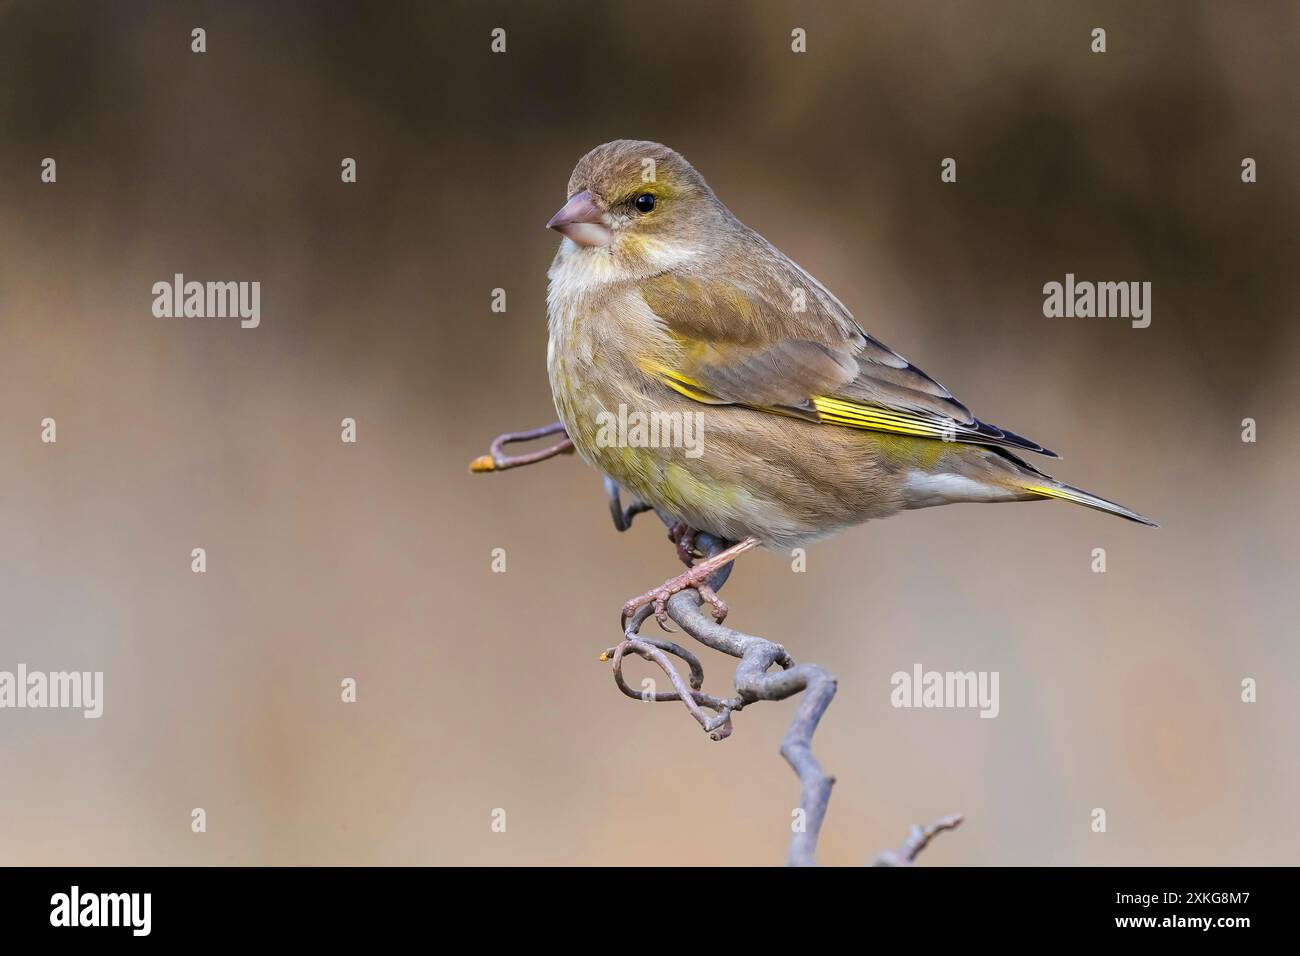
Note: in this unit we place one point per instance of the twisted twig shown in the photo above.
(497, 460)
(718, 726)
(622, 516)
(753, 681)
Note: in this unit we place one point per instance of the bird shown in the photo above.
(661, 304)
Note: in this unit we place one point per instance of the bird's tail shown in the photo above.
(1051, 488)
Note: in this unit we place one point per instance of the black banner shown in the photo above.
(1177, 905)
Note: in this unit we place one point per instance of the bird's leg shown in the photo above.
(696, 576)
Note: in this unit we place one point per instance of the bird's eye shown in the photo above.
(644, 202)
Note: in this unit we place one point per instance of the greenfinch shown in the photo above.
(666, 309)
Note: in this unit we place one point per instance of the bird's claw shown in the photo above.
(683, 539)
(695, 577)
(720, 609)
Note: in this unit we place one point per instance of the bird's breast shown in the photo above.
(599, 338)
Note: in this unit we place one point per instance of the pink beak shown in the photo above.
(582, 221)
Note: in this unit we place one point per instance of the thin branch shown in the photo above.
(917, 841)
(497, 460)
(754, 683)
(622, 516)
(718, 726)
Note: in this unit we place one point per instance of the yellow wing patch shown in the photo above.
(832, 411)
(680, 383)
(874, 418)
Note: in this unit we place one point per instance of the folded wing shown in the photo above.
(780, 342)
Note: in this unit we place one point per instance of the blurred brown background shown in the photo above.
(481, 690)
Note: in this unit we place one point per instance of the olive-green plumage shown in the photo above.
(662, 303)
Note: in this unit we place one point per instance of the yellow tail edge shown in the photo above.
(1081, 497)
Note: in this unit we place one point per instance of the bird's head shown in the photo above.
(639, 204)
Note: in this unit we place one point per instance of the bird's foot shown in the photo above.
(683, 538)
(697, 577)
